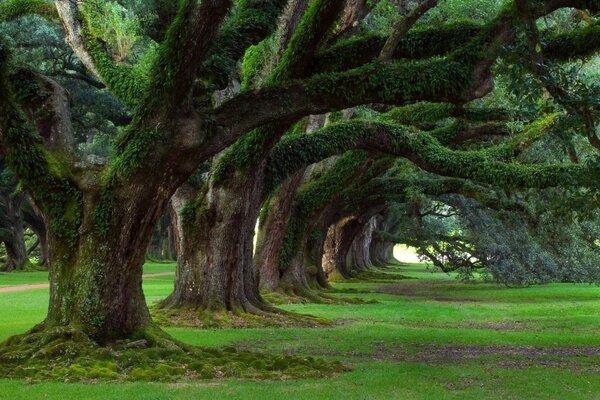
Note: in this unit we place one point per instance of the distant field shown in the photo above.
(429, 337)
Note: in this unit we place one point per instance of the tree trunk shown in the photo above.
(271, 232)
(316, 276)
(360, 251)
(13, 232)
(382, 252)
(34, 220)
(337, 245)
(95, 267)
(214, 265)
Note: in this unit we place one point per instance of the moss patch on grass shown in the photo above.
(205, 319)
(66, 354)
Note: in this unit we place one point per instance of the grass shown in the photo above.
(426, 338)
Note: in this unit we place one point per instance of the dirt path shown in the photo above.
(21, 288)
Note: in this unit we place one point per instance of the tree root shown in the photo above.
(67, 354)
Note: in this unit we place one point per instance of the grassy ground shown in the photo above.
(426, 338)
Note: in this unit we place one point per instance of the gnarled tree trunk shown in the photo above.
(360, 250)
(337, 245)
(214, 264)
(271, 232)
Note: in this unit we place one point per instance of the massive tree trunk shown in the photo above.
(214, 265)
(96, 275)
(339, 239)
(271, 232)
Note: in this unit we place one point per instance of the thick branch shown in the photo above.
(119, 78)
(426, 152)
(46, 103)
(252, 21)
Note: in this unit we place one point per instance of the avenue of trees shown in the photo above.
(272, 146)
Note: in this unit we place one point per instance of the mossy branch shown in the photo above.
(13, 9)
(427, 152)
(46, 176)
(251, 22)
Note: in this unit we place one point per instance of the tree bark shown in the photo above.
(13, 232)
(337, 245)
(360, 250)
(271, 232)
(214, 265)
(34, 220)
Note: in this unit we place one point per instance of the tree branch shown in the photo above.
(427, 153)
(401, 27)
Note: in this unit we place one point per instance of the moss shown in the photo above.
(252, 21)
(396, 83)
(126, 82)
(417, 44)
(223, 319)
(13, 9)
(483, 166)
(66, 354)
(312, 196)
(580, 43)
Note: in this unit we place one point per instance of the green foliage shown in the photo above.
(107, 21)
(117, 26)
(252, 21)
(13, 9)
(417, 44)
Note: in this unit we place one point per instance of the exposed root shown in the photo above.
(68, 354)
(211, 319)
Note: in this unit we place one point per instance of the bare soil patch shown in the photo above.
(22, 288)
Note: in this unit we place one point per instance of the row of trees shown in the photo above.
(330, 122)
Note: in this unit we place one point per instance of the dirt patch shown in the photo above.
(456, 353)
(504, 326)
(521, 357)
(22, 288)
(437, 290)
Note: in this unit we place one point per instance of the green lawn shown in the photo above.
(426, 338)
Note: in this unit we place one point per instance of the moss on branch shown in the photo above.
(427, 152)
(418, 43)
(251, 22)
(47, 176)
(580, 43)
(13, 9)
